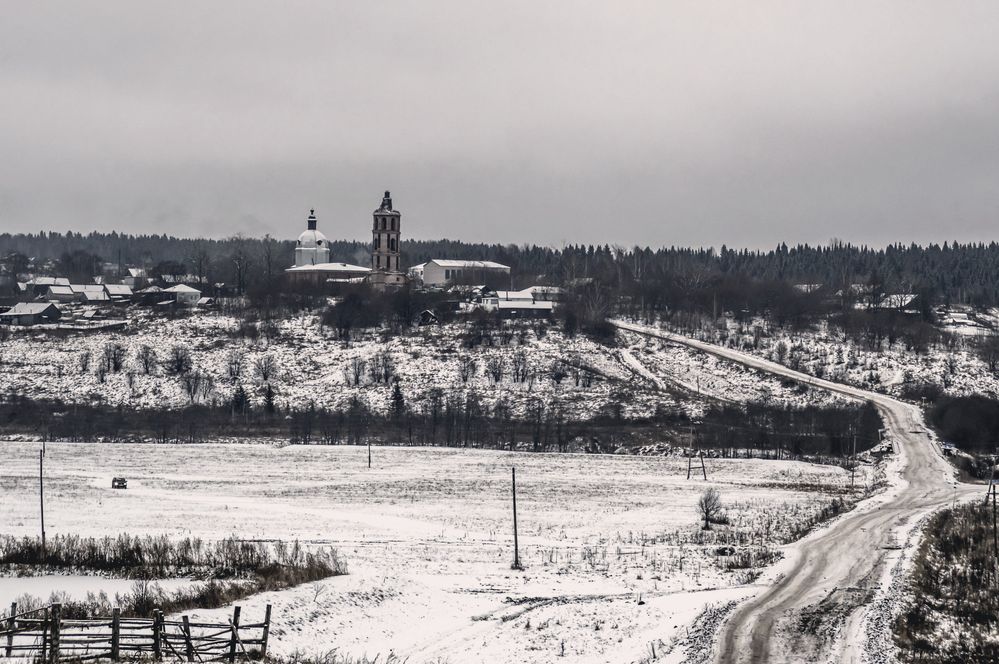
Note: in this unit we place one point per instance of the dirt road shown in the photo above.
(814, 611)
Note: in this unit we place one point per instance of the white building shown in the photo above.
(183, 295)
(443, 271)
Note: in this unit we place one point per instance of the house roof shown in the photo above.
(87, 288)
(49, 281)
(521, 304)
(60, 290)
(330, 267)
(118, 289)
(181, 288)
(481, 265)
(29, 308)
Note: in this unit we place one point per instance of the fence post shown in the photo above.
(10, 626)
(45, 635)
(267, 631)
(188, 645)
(56, 617)
(235, 631)
(115, 632)
(157, 625)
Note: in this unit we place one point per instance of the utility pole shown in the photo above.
(41, 499)
(853, 464)
(369, 453)
(516, 545)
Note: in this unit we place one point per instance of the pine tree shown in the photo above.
(398, 405)
(240, 400)
(269, 406)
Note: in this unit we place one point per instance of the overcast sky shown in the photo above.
(652, 123)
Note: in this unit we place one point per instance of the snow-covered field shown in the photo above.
(615, 561)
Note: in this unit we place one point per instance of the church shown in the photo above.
(312, 254)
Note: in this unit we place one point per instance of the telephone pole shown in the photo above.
(853, 463)
(41, 499)
(516, 545)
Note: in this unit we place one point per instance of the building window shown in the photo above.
(378, 262)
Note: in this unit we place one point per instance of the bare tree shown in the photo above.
(356, 370)
(84, 361)
(710, 507)
(265, 366)
(192, 382)
(178, 362)
(113, 357)
(386, 366)
(558, 372)
(520, 366)
(494, 367)
(234, 364)
(147, 359)
(988, 349)
(466, 367)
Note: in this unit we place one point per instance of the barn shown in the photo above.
(31, 313)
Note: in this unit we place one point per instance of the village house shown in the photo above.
(440, 272)
(31, 313)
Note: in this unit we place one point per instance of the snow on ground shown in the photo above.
(610, 543)
(314, 366)
(704, 374)
(955, 366)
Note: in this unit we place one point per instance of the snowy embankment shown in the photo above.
(611, 544)
(953, 364)
(311, 366)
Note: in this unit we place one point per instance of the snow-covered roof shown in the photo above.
(95, 296)
(60, 290)
(49, 281)
(136, 272)
(118, 289)
(330, 267)
(151, 289)
(181, 288)
(469, 265)
(87, 288)
(310, 238)
(521, 304)
(29, 308)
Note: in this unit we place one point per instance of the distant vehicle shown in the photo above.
(119, 483)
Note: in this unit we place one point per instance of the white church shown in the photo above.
(312, 254)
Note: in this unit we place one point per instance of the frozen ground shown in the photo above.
(610, 543)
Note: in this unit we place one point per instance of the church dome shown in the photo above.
(312, 239)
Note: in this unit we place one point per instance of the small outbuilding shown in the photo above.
(184, 295)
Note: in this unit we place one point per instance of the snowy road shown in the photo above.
(816, 608)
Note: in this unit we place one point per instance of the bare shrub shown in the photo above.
(113, 357)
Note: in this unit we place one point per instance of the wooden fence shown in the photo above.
(44, 635)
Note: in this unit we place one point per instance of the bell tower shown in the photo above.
(385, 267)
